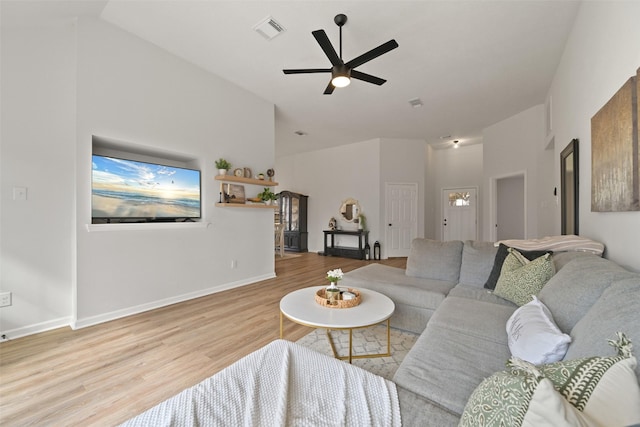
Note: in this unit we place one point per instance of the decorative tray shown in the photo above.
(321, 298)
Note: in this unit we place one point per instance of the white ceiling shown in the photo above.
(472, 63)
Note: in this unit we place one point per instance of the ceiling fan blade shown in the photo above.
(329, 89)
(372, 54)
(327, 47)
(367, 77)
(307, 70)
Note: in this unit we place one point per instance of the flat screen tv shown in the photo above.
(132, 191)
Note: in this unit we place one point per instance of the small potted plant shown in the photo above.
(267, 196)
(223, 166)
(362, 222)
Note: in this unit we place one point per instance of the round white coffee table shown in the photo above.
(300, 307)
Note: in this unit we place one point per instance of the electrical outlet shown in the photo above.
(20, 193)
(5, 299)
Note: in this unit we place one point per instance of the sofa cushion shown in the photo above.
(415, 410)
(520, 278)
(474, 292)
(432, 259)
(577, 286)
(518, 398)
(392, 282)
(464, 342)
(533, 335)
(619, 306)
(501, 255)
(477, 262)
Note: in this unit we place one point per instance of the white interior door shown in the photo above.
(401, 216)
(459, 214)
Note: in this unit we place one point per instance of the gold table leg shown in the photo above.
(352, 356)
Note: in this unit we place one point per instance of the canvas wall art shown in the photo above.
(615, 162)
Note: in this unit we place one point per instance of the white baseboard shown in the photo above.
(94, 320)
(12, 334)
(117, 314)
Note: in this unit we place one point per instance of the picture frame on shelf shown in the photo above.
(234, 193)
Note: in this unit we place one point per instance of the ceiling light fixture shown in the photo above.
(340, 76)
(455, 143)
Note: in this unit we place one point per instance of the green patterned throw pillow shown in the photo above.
(604, 388)
(520, 278)
(592, 391)
(519, 397)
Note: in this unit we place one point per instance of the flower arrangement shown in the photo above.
(334, 275)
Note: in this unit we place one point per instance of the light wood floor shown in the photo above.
(105, 374)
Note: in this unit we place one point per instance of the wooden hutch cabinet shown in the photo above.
(293, 214)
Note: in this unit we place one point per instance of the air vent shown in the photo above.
(269, 28)
(415, 102)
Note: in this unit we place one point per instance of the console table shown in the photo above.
(330, 249)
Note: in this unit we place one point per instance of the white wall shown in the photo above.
(60, 86)
(455, 168)
(330, 176)
(511, 147)
(37, 152)
(602, 52)
(402, 161)
(356, 170)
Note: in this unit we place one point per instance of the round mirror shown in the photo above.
(350, 210)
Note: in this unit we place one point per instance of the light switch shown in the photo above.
(19, 193)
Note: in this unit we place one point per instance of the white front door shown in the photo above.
(401, 218)
(459, 214)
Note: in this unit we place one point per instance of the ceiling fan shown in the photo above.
(341, 72)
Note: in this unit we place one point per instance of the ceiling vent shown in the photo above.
(269, 28)
(415, 102)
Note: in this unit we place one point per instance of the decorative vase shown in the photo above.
(333, 285)
(222, 171)
(333, 293)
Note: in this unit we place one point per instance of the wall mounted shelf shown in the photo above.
(243, 180)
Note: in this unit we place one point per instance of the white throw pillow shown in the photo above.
(605, 389)
(533, 335)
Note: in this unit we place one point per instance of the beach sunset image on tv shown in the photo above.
(128, 189)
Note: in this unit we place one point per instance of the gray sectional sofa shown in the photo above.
(462, 325)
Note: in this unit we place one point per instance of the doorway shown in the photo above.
(509, 216)
(401, 218)
(459, 214)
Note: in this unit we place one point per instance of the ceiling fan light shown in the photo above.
(340, 76)
(340, 81)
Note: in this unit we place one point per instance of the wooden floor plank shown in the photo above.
(108, 373)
